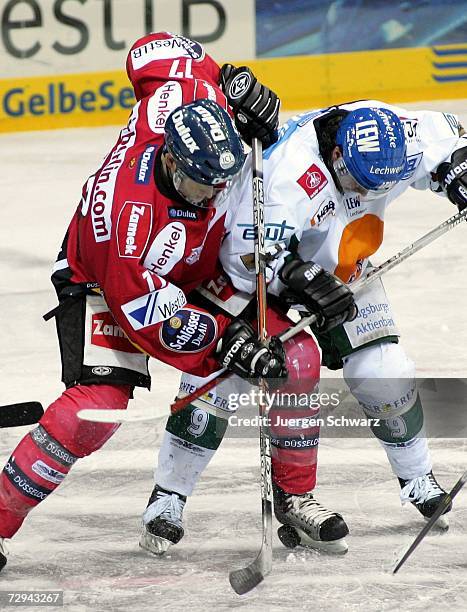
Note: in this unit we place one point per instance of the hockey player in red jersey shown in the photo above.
(145, 233)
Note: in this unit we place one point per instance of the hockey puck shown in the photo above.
(288, 536)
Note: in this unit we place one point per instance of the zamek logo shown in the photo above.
(133, 229)
(106, 333)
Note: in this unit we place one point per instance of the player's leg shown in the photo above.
(382, 378)
(192, 437)
(368, 350)
(294, 419)
(95, 377)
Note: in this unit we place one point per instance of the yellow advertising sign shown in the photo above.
(104, 98)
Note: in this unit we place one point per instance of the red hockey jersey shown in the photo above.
(145, 250)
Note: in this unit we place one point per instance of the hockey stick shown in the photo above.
(182, 402)
(395, 260)
(27, 413)
(447, 499)
(23, 413)
(246, 578)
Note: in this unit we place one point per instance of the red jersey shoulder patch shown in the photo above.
(312, 181)
(133, 229)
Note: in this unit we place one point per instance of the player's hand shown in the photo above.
(241, 352)
(453, 178)
(255, 106)
(320, 292)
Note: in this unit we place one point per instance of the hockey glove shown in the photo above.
(241, 352)
(453, 178)
(255, 106)
(320, 292)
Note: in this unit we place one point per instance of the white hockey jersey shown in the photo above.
(305, 211)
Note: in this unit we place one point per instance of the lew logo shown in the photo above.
(106, 333)
(133, 229)
(312, 181)
(367, 136)
(184, 132)
(353, 206)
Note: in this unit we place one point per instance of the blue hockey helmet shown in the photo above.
(373, 148)
(201, 138)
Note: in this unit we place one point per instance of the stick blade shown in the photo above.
(22, 413)
(245, 579)
(447, 499)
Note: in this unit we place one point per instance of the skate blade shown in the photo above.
(335, 547)
(442, 523)
(154, 544)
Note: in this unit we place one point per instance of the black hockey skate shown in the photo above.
(306, 522)
(162, 521)
(425, 494)
(2, 554)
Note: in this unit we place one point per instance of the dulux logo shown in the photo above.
(145, 165)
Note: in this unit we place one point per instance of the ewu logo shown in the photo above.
(312, 181)
(133, 229)
(106, 333)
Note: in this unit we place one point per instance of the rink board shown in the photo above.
(104, 98)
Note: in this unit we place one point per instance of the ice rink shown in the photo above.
(84, 538)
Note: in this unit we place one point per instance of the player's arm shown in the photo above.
(452, 174)
(156, 317)
(436, 153)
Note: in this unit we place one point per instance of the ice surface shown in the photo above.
(83, 539)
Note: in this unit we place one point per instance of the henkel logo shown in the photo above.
(133, 229)
(167, 249)
(164, 100)
(312, 181)
(106, 333)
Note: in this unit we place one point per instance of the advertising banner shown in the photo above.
(63, 61)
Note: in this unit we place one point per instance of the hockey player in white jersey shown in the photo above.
(327, 183)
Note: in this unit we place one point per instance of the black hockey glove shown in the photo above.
(453, 178)
(255, 106)
(319, 291)
(244, 354)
